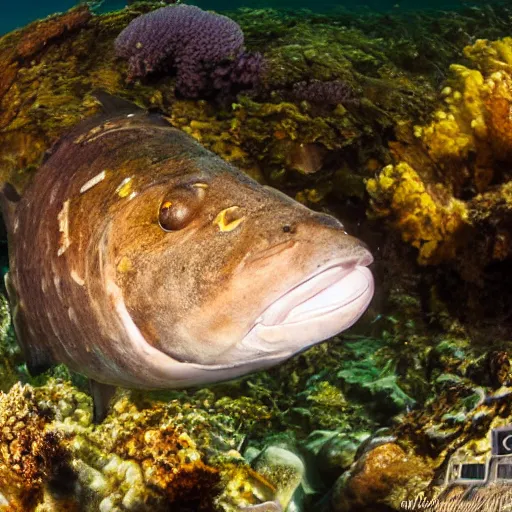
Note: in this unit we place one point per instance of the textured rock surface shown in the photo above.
(283, 468)
(385, 475)
(135, 460)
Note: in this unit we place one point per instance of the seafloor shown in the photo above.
(414, 155)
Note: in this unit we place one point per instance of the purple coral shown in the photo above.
(244, 72)
(331, 92)
(206, 49)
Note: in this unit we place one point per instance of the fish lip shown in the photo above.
(266, 347)
(332, 308)
(267, 352)
(363, 261)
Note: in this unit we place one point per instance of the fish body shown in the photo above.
(143, 260)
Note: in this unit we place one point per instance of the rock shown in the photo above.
(306, 158)
(283, 469)
(386, 475)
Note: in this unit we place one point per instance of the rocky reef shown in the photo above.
(400, 126)
(462, 156)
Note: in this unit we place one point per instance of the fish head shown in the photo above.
(218, 271)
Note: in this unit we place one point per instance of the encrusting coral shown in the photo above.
(136, 460)
(331, 92)
(457, 172)
(426, 217)
(31, 455)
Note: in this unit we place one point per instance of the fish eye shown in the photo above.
(180, 207)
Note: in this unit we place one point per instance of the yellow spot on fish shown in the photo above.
(125, 187)
(84, 136)
(63, 219)
(93, 181)
(228, 220)
(200, 185)
(124, 265)
(77, 278)
(167, 204)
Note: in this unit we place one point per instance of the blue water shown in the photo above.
(15, 14)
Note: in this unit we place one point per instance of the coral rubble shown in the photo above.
(49, 450)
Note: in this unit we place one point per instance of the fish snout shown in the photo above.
(332, 288)
(359, 253)
(311, 242)
(324, 238)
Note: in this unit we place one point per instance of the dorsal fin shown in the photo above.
(114, 105)
(9, 199)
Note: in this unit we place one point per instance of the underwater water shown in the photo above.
(17, 14)
(257, 256)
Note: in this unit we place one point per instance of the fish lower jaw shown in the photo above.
(314, 313)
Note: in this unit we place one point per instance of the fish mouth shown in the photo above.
(321, 306)
(324, 291)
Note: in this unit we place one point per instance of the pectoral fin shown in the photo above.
(9, 199)
(37, 358)
(101, 396)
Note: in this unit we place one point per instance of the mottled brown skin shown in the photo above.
(80, 248)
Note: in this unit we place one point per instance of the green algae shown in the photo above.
(381, 385)
(53, 91)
